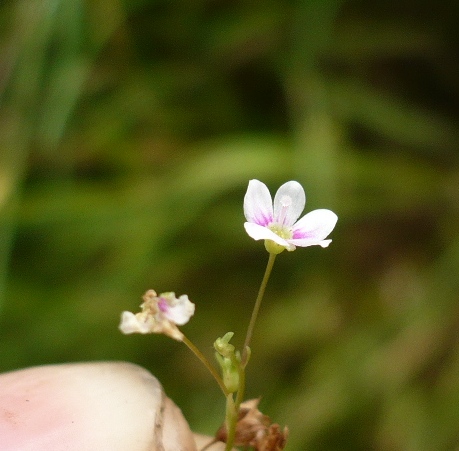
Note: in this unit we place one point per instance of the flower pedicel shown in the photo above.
(276, 222)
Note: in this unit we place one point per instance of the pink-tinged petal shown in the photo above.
(289, 203)
(130, 324)
(258, 207)
(324, 243)
(313, 228)
(181, 312)
(258, 232)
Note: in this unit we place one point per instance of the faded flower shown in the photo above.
(160, 315)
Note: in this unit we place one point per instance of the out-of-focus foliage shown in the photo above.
(128, 133)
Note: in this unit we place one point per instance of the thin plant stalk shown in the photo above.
(207, 364)
(232, 407)
(231, 421)
(256, 308)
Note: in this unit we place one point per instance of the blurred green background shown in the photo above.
(128, 133)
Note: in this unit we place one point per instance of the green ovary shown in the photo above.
(284, 233)
(273, 248)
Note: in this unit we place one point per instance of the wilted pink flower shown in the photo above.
(160, 315)
(277, 224)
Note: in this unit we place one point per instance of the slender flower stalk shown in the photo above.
(231, 421)
(256, 308)
(233, 415)
(233, 406)
(206, 363)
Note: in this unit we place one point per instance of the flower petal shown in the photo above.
(258, 232)
(258, 207)
(130, 324)
(181, 312)
(313, 228)
(289, 203)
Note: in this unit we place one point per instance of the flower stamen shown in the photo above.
(286, 202)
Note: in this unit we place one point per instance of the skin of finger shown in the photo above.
(174, 436)
(112, 406)
(203, 440)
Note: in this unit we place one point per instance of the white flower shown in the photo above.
(277, 223)
(160, 315)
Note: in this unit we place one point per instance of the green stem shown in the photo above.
(241, 390)
(206, 363)
(232, 407)
(231, 422)
(256, 307)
